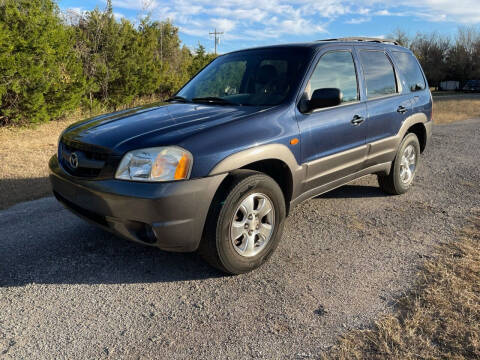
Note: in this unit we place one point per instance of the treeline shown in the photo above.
(51, 63)
(445, 57)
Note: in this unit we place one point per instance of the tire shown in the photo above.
(226, 245)
(396, 183)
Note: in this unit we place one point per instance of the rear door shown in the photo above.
(333, 139)
(414, 84)
(387, 105)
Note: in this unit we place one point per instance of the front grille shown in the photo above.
(83, 160)
(89, 151)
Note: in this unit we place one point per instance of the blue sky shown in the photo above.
(248, 23)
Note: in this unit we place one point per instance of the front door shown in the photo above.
(333, 139)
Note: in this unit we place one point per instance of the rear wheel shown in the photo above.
(404, 167)
(245, 223)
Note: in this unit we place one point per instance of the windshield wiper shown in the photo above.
(213, 100)
(177, 98)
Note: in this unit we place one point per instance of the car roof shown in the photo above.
(357, 41)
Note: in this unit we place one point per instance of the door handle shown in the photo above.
(357, 120)
(402, 109)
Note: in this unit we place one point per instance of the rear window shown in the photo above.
(379, 74)
(410, 69)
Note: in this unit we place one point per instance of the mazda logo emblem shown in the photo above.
(73, 160)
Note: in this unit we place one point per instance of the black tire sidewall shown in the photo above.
(230, 259)
(410, 139)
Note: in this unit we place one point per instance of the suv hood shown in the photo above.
(152, 125)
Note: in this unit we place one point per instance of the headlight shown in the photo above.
(155, 164)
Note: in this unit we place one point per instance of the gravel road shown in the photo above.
(69, 290)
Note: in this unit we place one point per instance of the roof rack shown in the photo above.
(366, 39)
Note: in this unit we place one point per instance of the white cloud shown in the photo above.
(241, 14)
(224, 25)
(247, 18)
(383, 12)
(118, 16)
(461, 11)
(259, 20)
(358, 20)
(76, 10)
(141, 5)
(257, 11)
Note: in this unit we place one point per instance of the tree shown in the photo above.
(431, 50)
(463, 57)
(401, 37)
(98, 45)
(40, 76)
(200, 60)
(52, 63)
(122, 62)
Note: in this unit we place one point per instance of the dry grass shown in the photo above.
(455, 109)
(438, 319)
(24, 155)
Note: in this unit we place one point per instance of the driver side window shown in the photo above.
(335, 69)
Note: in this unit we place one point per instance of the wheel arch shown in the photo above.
(278, 171)
(419, 125)
(421, 132)
(274, 160)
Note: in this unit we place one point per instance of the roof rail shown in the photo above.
(366, 39)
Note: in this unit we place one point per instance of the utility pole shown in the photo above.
(217, 38)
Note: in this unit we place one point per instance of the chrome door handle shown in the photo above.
(402, 109)
(357, 120)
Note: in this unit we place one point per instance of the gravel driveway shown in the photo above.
(69, 290)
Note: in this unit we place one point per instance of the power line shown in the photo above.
(217, 38)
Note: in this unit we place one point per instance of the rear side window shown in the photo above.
(379, 75)
(335, 70)
(410, 70)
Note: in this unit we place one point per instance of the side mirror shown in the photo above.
(322, 98)
(417, 87)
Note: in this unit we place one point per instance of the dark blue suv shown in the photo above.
(218, 168)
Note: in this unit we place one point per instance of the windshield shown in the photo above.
(261, 77)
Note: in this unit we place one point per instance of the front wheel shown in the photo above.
(404, 167)
(245, 223)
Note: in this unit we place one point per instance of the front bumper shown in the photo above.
(168, 215)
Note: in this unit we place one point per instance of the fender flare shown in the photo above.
(259, 153)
